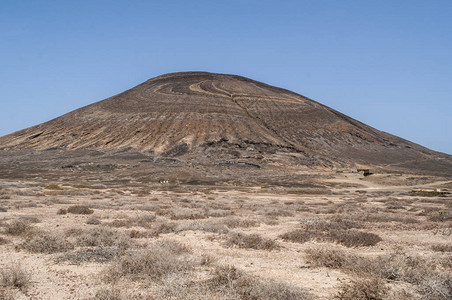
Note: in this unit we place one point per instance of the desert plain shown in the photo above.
(210, 186)
(341, 235)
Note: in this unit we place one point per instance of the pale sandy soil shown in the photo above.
(412, 224)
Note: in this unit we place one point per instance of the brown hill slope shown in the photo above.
(220, 116)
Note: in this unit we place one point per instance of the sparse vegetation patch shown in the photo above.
(15, 276)
(46, 242)
(251, 241)
(80, 210)
(161, 259)
(18, 227)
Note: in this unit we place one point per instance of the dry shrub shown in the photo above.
(278, 213)
(54, 187)
(93, 221)
(5, 193)
(348, 238)
(143, 220)
(101, 244)
(159, 260)
(236, 222)
(353, 238)
(383, 218)
(137, 234)
(298, 236)
(268, 220)
(62, 211)
(7, 294)
(3, 241)
(119, 223)
(46, 242)
(163, 227)
(15, 276)
(59, 201)
(97, 254)
(336, 222)
(18, 227)
(202, 226)
(25, 204)
(101, 237)
(251, 241)
(218, 213)
(430, 194)
(3, 209)
(432, 281)
(328, 257)
(363, 289)
(396, 204)
(402, 294)
(441, 216)
(442, 248)
(30, 219)
(109, 294)
(233, 282)
(186, 213)
(80, 210)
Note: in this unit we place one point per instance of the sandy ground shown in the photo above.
(404, 221)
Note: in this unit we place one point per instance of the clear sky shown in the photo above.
(387, 63)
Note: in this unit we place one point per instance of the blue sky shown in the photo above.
(385, 63)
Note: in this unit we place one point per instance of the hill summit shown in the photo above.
(200, 114)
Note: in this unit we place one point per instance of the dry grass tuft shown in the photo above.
(53, 186)
(80, 210)
(46, 242)
(353, 238)
(348, 238)
(94, 254)
(108, 294)
(216, 213)
(186, 213)
(236, 222)
(442, 248)
(334, 223)
(431, 279)
(298, 236)
(117, 223)
(278, 213)
(331, 231)
(100, 237)
(18, 227)
(5, 193)
(143, 220)
(15, 276)
(159, 260)
(239, 285)
(202, 226)
(363, 289)
(251, 241)
(7, 294)
(137, 234)
(3, 241)
(62, 211)
(93, 221)
(327, 257)
(163, 228)
(441, 216)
